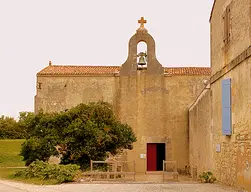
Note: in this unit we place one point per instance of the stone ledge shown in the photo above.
(235, 62)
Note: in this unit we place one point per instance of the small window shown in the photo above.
(227, 20)
(39, 85)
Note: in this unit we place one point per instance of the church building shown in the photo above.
(152, 98)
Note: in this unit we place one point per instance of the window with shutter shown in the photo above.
(226, 107)
(226, 19)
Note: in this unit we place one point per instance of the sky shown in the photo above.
(92, 32)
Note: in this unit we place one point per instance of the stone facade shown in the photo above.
(231, 162)
(153, 100)
(200, 133)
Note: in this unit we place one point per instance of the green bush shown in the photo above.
(45, 171)
(207, 177)
(83, 133)
(35, 148)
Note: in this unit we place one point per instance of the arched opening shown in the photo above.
(142, 55)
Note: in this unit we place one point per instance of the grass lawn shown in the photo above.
(8, 173)
(9, 157)
(9, 153)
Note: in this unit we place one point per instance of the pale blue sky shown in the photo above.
(93, 32)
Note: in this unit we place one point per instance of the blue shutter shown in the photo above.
(226, 107)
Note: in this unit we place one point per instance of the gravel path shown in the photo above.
(7, 186)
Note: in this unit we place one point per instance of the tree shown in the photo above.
(87, 131)
(26, 122)
(9, 128)
(12, 129)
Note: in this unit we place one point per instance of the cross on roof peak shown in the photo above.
(142, 21)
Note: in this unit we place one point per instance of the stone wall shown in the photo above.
(155, 106)
(232, 160)
(240, 32)
(200, 133)
(232, 163)
(59, 93)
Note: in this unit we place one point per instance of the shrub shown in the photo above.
(41, 170)
(83, 133)
(35, 148)
(207, 177)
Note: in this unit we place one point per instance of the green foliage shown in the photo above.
(45, 171)
(26, 122)
(12, 129)
(207, 177)
(9, 128)
(35, 148)
(85, 132)
(8, 173)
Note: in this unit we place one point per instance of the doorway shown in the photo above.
(156, 153)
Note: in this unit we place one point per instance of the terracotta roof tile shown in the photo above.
(111, 70)
(79, 70)
(188, 70)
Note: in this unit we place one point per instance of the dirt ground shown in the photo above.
(7, 186)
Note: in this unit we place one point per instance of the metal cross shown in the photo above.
(142, 21)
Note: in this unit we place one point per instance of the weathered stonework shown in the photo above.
(231, 164)
(130, 66)
(200, 134)
(240, 32)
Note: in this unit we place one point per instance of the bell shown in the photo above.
(142, 60)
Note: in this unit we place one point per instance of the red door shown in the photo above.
(151, 156)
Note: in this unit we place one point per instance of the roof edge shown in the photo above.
(81, 65)
(173, 71)
(43, 69)
(212, 11)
